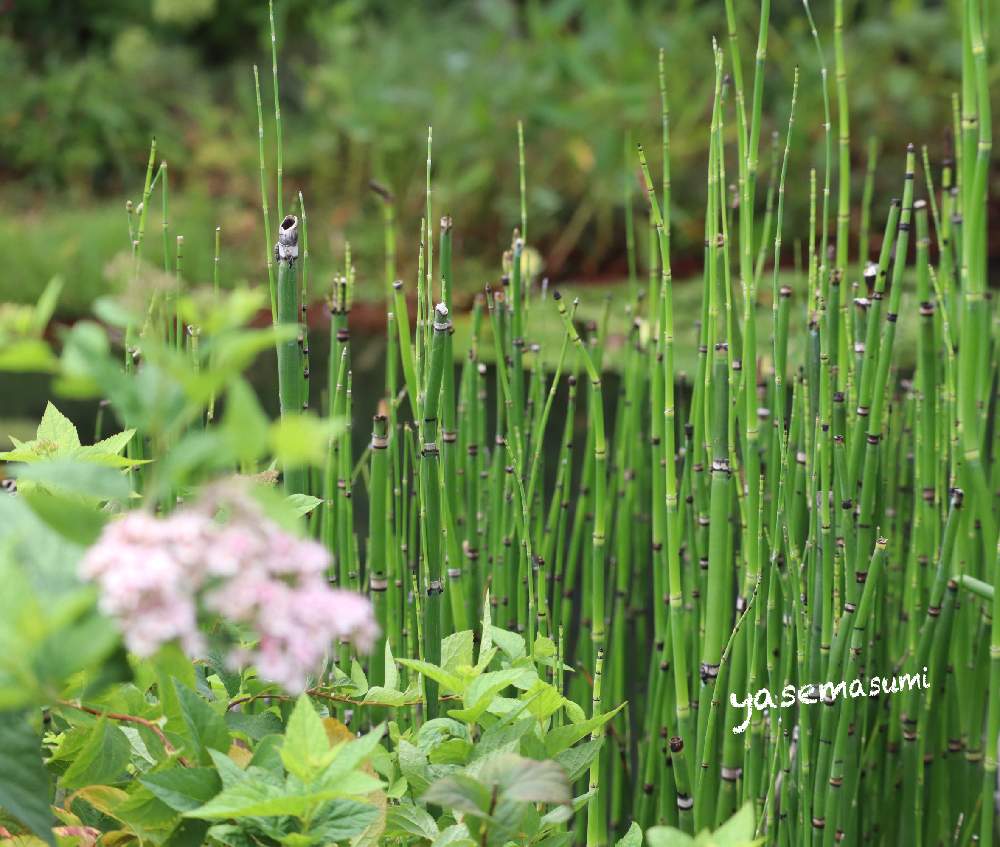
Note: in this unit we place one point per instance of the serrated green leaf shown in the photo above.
(459, 793)
(577, 759)
(544, 648)
(183, 789)
(487, 629)
(206, 727)
(391, 671)
(527, 780)
(347, 757)
(543, 700)
(481, 693)
(390, 697)
(450, 681)
(101, 760)
(456, 651)
(413, 765)
(454, 751)
(561, 737)
(358, 677)
(57, 429)
(306, 750)
(343, 819)
(410, 819)
(502, 738)
(510, 643)
(255, 726)
(113, 444)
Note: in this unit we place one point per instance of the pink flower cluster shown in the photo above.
(160, 576)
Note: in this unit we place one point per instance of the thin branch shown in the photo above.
(154, 727)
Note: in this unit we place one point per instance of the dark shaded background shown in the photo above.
(87, 83)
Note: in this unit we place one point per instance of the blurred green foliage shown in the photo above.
(88, 83)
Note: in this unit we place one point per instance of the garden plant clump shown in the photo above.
(568, 593)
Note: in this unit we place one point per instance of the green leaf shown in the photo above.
(391, 697)
(232, 774)
(738, 830)
(481, 692)
(75, 520)
(577, 759)
(527, 780)
(244, 423)
(486, 644)
(632, 838)
(57, 429)
(145, 814)
(459, 793)
(543, 700)
(510, 643)
(306, 750)
(113, 444)
(188, 833)
(561, 737)
(183, 789)
(456, 651)
(255, 726)
(70, 475)
(410, 819)
(250, 797)
(667, 836)
(358, 677)
(303, 504)
(267, 756)
(102, 759)
(343, 819)
(206, 727)
(502, 738)
(391, 671)
(450, 681)
(302, 439)
(413, 765)
(25, 791)
(456, 835)
(347, 757)
(454, 751)
(257, 793)
(544, 648)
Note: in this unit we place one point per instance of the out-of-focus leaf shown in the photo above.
(24, 784)
(459, 793)
(183, 789)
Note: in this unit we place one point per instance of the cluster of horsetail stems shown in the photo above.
(788, 515)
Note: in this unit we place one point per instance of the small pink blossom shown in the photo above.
(159, 576)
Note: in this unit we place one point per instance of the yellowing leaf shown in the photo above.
(104, 798)
(240, 754)
(336, 732)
